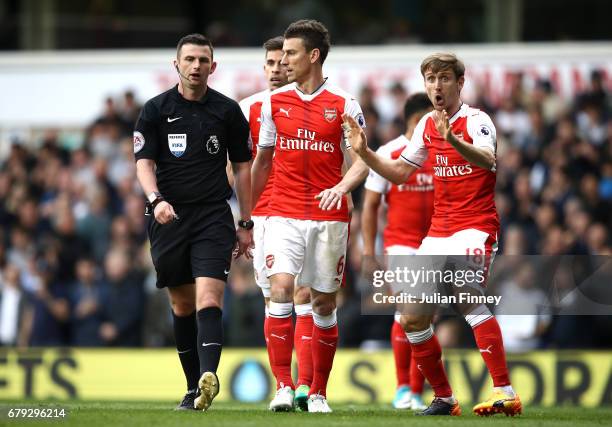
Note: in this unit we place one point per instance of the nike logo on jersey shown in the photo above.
(427, 137)
(282, 110)
(486, 350)
(206, 344)
(284, 337)
(226, 271)
(184, 351)
(305, 338)
(174, 119)
(331, 344)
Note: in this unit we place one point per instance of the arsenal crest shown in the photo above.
(330, 114)
(269, 261)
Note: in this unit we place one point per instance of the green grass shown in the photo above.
(93, 414)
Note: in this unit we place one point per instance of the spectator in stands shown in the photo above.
(130, 110)
(523, 312)
(51, 309)
(88, 298)
(15, 312)
(94, 227)
(71, 246)
(124, 308)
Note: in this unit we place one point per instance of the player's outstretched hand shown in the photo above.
(164, 212)
(330, 198)
(244, 243)
(354, 134)
(442, 123)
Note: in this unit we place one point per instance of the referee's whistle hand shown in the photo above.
(244, 242)
(164, 213)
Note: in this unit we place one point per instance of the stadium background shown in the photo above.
(73, 75)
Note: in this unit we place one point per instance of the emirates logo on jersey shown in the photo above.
(455, 170)
(424, 182)
(443, 169)
(330, 114)
(306, 140)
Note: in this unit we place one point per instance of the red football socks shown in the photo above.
(303, 348)
(324, 343)
(417, 380)
(266, 331)
(428, 358)
(280, 348)
(491, 345)
(401, 353)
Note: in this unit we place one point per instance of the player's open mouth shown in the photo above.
(438, 99)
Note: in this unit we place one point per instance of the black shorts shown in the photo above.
(198, 244)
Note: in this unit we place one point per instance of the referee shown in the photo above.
(182, 140)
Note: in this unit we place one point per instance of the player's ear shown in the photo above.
(315, 54)
(213, 67)
(460, 82)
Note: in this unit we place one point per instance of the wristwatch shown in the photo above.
(246, 224)
(154, 198)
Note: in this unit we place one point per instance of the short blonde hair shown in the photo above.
(443, 61)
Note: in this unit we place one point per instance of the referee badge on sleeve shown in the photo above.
(177, 142)
(139, 141)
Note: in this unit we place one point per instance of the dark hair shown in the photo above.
(415, 103)
(313, 34)
(443, 61)
(275, 43)
(195, 38)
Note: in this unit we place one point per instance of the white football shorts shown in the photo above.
(259, 262)
(314, 250)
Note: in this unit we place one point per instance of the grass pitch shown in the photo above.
(93, 414)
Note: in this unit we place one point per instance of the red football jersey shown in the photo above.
(464, 194)
(306, 133)
(409, 205)
(251, 108)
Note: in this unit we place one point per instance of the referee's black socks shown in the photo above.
(186, 336)
(210, 338)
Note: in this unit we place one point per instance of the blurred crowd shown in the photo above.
(75, 267)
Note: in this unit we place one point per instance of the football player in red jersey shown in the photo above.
(307, 228)
(276, 77)
(462, 141)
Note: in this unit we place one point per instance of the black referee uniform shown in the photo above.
(190, 141)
